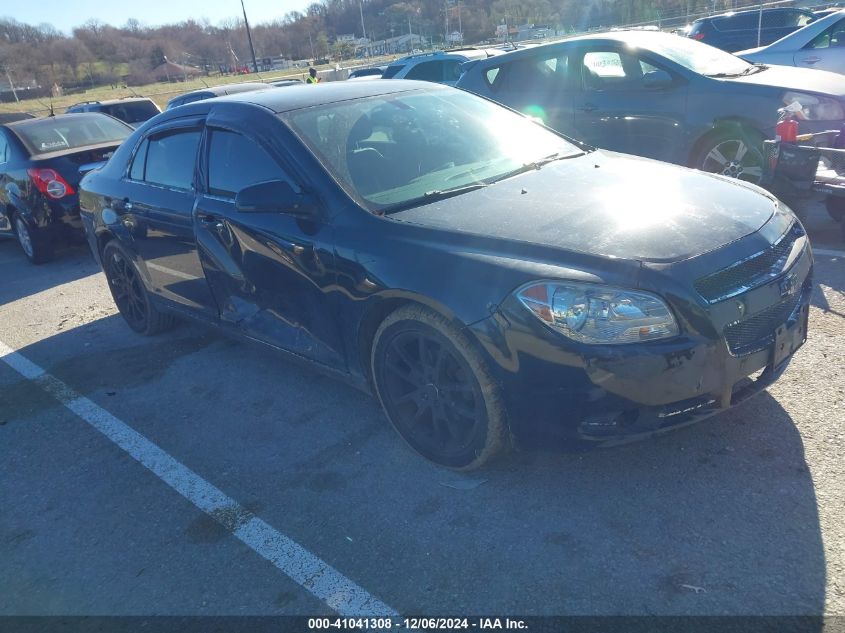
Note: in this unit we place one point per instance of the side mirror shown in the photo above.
(657, 79)
(273, 196)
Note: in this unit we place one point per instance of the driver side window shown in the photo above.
(236, 162)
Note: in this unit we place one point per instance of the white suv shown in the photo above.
(443, 67)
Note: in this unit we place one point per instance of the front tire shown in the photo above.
(735, 153)
(437, 390)
(835, 207)
(37, 248)
(130, 294)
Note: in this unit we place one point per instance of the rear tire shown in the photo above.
(436, 389)
(37, 247)
(835, 207)
(130, 294)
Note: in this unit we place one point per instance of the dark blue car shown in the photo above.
(660, 96)
(41, 163)
(736, 31)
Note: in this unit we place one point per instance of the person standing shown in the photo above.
(312, 76)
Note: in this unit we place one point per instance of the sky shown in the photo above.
(65, 14)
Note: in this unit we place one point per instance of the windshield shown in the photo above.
(698, 57)
(71, 131)
(395, 149)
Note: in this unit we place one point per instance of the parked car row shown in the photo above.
(415, 240)
(819, 45)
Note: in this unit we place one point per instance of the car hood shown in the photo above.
(800, 79)
(751, 51)
(610, 205)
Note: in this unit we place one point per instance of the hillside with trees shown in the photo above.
(97, 54)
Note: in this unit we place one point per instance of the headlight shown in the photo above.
(815, 107)
(590, 313)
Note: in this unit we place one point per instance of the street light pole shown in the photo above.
(249, 37)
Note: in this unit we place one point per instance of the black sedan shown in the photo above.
(41, 161)
(489, 280)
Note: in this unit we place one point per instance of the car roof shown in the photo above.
(24, 123)
(10, 117)
(637, 38)
(111, 101)
(463, 53)
(226, 89)
(305, 96)
(731, 14)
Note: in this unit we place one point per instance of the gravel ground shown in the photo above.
(741, 514)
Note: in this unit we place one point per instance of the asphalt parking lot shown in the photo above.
(188, 474)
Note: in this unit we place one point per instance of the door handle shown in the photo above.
(811, 60)
(213, 222)
(126, 204)
(588, 107)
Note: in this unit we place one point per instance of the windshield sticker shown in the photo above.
(53, 144)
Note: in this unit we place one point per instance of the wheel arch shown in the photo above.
(379, 309)
(103, 237)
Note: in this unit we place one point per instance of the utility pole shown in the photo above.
(460, 26)
(11, 85)
(249, 37)
(364, 29)
(446, 11)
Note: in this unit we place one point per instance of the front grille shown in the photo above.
(758, 331)
(751, 272)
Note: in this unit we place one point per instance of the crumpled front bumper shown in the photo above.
(614, 394)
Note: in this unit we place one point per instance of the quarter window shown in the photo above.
(832, 37)
(170, 159)
(534, 75)
(236, 162)
(136, 172)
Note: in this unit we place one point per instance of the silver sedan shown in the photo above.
(820, 45)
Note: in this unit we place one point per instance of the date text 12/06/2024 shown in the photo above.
(421, 624)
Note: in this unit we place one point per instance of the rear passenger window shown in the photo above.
(736, 22)
(236, 162)
(426, 71)
(171, 158)
(537, 74)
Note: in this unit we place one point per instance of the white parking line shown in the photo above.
(313, 574)
(828, 252)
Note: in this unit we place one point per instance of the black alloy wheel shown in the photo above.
(129, 293)
(436, 390)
